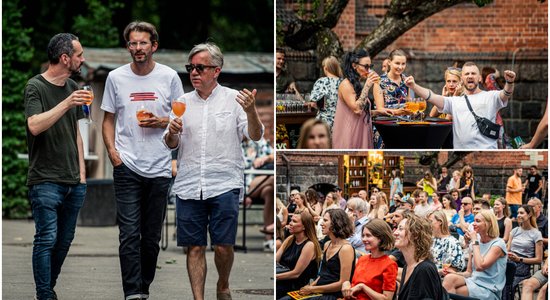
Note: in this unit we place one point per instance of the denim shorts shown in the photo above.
(220, 215)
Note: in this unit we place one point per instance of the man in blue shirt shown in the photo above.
(464, 217)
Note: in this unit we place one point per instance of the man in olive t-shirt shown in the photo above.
(56, 177)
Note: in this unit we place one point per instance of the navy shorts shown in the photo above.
(220, 215)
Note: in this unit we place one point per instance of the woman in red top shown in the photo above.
(375, 273)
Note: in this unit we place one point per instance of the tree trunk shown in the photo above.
(431, 159)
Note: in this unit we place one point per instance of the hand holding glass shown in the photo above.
(178, 108)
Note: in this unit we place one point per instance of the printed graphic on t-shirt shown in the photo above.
(143, 96)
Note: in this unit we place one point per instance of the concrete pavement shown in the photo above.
(92, 269)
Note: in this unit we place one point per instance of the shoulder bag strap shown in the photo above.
(470, 108)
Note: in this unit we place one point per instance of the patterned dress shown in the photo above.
(326, 88)
(253, 150)
(395, 95)
(447, 250)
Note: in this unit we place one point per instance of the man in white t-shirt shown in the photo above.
(422, 208)
(141, 163)
(466, 134)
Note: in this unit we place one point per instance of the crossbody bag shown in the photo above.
(486, 127)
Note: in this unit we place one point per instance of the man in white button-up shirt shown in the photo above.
(209, 183)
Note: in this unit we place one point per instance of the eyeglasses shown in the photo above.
(199, 67)
(133, 45)
(366, 66)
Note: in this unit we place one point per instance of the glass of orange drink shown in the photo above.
(143, 113)
(89, 100)
(178, 108)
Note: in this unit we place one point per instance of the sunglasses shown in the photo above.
(366, 66)
(454, 69)
(199, 67)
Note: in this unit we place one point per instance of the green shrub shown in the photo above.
(17, 53)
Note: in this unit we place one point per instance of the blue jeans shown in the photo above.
(514, 210)
(141, 207)
(55, 210)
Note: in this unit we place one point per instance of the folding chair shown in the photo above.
(510, 272)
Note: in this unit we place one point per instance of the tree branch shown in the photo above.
(400, 17)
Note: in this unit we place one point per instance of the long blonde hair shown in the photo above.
(333, 66)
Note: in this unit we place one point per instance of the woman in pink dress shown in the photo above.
(352, 127)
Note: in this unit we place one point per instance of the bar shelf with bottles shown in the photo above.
(291, 113)
(362, 172)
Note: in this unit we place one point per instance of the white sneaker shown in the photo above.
(268, 245)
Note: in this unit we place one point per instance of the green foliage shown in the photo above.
(280, 34)
(242, 25)
(96, 29)
(17, 52)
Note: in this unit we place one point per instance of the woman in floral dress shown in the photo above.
(445, 248)
(325, 90)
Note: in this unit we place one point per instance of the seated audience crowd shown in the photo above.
(413, 249)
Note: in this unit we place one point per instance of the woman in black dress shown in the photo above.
(338, 257)
(419, 279)
(300, 253)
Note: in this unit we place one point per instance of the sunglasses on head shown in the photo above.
(199, 67)
(454, 69)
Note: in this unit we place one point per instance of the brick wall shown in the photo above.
(345, 28)
(501, 26)
(491, 169)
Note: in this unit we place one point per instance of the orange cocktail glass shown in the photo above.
(178, 108)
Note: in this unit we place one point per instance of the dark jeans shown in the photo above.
(141, 205)
(533, 194)
(55, 211)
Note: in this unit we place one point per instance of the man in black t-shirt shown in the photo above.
(57, 176)
(533, 183)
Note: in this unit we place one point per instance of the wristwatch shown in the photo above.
(476, 243)
(521, 260)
